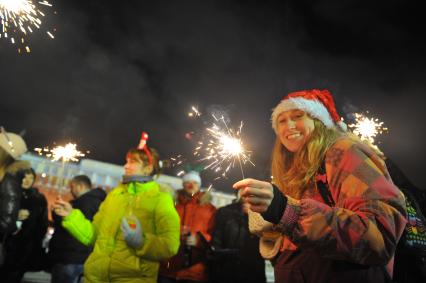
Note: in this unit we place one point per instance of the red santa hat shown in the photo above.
(317, 103)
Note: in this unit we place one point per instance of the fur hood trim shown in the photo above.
(17, 166)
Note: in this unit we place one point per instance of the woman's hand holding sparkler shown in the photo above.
(61, 207)
(258, 194)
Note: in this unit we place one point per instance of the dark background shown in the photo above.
(116, 68)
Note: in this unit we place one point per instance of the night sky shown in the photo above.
(116, 69)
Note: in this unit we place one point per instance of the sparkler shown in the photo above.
(19, 18)
(367, 128)
(66, 154)
(223, 148)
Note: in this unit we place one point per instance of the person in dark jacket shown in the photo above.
(408, 267)
(66, 254)
(235, 253)
(24, 247)
(12, 146)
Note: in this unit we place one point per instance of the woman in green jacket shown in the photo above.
(135, 228)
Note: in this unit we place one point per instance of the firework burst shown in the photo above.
(367, 128)
(18, 20)
(222, 148)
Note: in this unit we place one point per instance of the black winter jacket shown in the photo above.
(64, 248)
(10, 197)
(24, 247)
(235, 253)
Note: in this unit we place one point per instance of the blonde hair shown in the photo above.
(294, 173)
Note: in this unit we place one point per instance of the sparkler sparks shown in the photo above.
(367, 128)
(176, 160)
(65, 153)
(180, 173)
(223, 148)
(194, 112)
(19, 18)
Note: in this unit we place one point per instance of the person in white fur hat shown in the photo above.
(197, 220)
(331, 199)
(191, 182)
(12, 146)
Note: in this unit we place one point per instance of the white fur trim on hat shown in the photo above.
(13, 144)
(342, 126)
(192, 176)
(311, 106)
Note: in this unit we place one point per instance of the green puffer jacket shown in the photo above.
(112, 260)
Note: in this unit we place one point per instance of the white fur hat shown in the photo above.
(12, 143)
(192, 176)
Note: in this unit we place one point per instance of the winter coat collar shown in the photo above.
(136, 178)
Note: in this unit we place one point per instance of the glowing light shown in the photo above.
(367, 128)
(180, 173)
(19, 18)
(223, 148)
(65, 153)
(175, 160)
(194, 112)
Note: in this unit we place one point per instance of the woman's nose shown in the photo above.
(291, 124)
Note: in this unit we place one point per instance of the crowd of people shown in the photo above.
(330, 214)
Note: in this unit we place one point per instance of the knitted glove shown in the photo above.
(132, 231)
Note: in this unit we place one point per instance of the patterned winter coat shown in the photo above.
(112, 260)
(352, 241)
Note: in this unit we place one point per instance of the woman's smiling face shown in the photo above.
(294, 128)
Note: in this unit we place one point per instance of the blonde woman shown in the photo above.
(332, 199)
